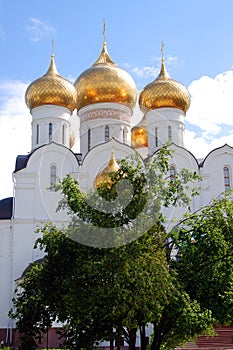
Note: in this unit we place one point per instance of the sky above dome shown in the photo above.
(198, 53)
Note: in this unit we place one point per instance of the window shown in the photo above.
(89, 139)
(50, 131)
(172, 173)
(37, 134)
(124, 135)
(106, 133)
(156, 138)
(53, 175)
(226, 173)
(169, 130)
(63, 134)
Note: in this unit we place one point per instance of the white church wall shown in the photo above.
(182, 159)
(5, 271)
(35, 198)
(213, 174)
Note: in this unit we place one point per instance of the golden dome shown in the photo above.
(51, 89)
(71, 139)
(164, 92)
(104, 81)
(104, 176)
(139, 135)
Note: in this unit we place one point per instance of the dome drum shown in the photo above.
(104, 111)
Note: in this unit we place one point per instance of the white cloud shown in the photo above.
(210, 114)
(200, 146)
(151, 72)
(39, 29)
(212, 102)
(169, 60)
(145, 72)
(15, 131)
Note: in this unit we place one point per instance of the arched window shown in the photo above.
(37, 134)
(156, 138)
(226, 173)
(89, 139)
(169, 131)
(50, 131)
(63, 134)
(172, 173)
(124, 135)
(53, 176)
(106, 133)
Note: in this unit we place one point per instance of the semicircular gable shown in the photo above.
(97, 159)
(47, 152)
(219, 151)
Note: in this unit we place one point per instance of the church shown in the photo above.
(103, 97)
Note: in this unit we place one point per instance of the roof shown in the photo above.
(21, 162)
(6, 206)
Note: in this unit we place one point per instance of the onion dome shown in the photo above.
(164, 92)
(104, 81)
(104, 176)
(51, 89)
(139, 135)
(71, 139)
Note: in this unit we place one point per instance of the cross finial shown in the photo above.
(162, 49)
(52, 46)
(104, 30)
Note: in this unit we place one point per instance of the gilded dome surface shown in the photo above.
(104, 176)
(139, 135)
(164, 92)
(51, 89)
(104, 81)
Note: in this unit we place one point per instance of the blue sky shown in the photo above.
(198, 37)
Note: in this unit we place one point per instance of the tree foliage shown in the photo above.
(205, 241)
(118, 274)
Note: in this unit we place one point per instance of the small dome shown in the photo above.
(139, 135)
(71, 139)
(104, 81)
(164, 92)
(51, 89)
(104, 176)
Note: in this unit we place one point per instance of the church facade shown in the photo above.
(103, 97)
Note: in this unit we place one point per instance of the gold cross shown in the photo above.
(104, 30)
(162, 49)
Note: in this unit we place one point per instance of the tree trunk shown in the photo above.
(111, 339)
(119, 337)
(143, 336)
(132, 338)
(118, 342)
(157, 340)
(155, 345)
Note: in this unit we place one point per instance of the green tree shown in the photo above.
(205, 244)
(103, 293)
